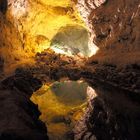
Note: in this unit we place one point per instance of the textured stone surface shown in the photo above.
(114, 27)
(113, 114)
(39, 20)
(72, 40)
(18, 115)
(10, 43)
(27, 27)
(127, 77)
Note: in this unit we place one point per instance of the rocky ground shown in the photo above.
(52, 66)
(127, 77)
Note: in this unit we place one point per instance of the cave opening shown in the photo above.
(73, 40)
(62, 104)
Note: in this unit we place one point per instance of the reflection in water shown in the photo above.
(61, 105)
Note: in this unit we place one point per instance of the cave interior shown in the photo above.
(69, 70)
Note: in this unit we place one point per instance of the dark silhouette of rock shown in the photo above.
(23, 81)
(19, 117)
(3, 6)
(112, 115)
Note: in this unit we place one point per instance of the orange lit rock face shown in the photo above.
(32, 26)
(11, 49)
(38, 21)
(29, 26)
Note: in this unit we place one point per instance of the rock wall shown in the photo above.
(9, 40)
(27, 27)
(11, 44)
(114, 27)
(38, 21)
(19, 117)
(112, 115)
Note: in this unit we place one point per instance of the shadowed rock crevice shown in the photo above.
(3, 6)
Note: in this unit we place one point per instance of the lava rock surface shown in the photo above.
(19, 117)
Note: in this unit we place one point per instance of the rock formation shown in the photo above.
(28, 28)
(113, 114)
(19, 117)
(114, 27)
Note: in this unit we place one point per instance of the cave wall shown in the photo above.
(114, 27)
(113, 114)
(11, 44)
(9, 41)
(39, 20)
(27, 27)
(19, 117)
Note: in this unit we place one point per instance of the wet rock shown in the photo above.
(126, 77)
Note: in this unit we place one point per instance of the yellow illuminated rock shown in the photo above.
(42, 18)
(31, 26)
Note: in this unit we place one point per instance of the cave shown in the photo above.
(69, 70)
(73, 40)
